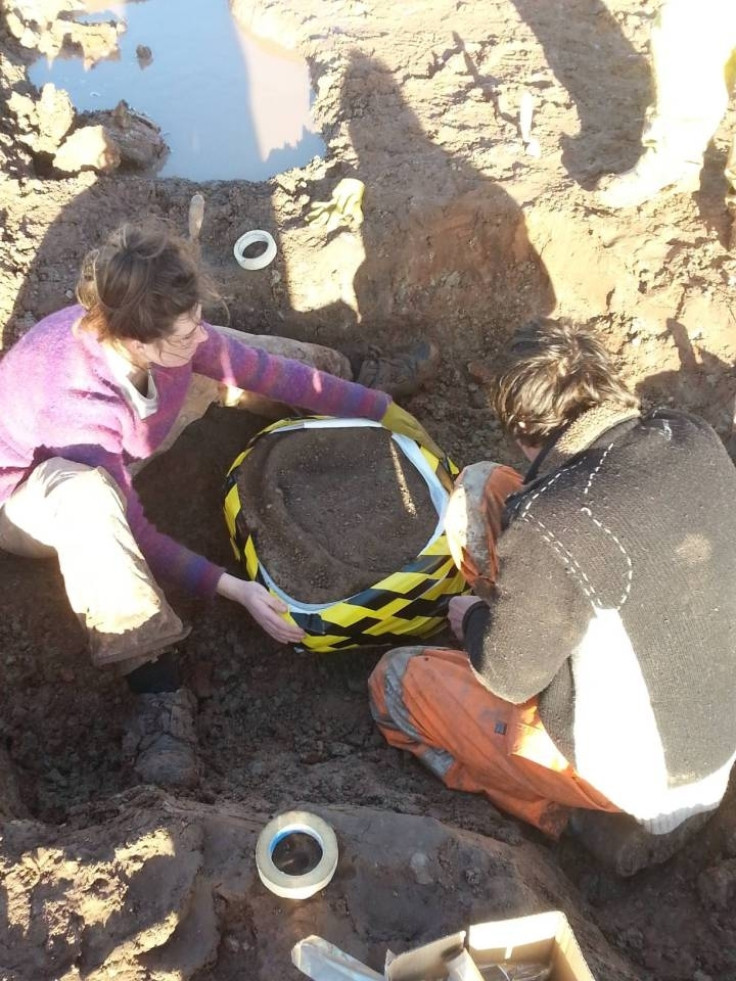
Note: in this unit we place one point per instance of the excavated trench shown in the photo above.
(464, 236)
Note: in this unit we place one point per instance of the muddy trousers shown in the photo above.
(692, 50)
(430, 702)
(77, 514)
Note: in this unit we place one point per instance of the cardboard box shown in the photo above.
(545, 938)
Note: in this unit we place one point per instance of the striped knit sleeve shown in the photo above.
(168, 560)
(284, 380)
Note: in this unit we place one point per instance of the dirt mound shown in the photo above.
(333, 511)
(155, 889)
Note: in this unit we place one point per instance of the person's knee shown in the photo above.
(85, 494)
(466, 500)
(98, 487)
(473, 517)
(201, 394)
(476, 475)
(57, 471)
(394, 663)
(54, 473)
(386, 683)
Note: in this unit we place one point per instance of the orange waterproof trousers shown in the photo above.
(430, 702)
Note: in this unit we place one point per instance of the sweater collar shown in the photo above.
(578, 436)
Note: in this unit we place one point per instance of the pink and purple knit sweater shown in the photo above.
(59, 397)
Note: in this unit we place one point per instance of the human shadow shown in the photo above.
(711, 198)
(704, 384)
(447, 253)
(587, 50)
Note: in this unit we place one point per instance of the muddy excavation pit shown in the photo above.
(465, 235)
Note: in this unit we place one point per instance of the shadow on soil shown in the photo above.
(583, 40)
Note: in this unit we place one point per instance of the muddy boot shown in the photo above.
(651, 175)
(620, 843)
(403, 373)
(161, 741)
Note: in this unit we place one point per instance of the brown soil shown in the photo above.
(333, 511)
(464, 236)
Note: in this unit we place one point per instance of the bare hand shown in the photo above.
(267, 610)
(459, 606)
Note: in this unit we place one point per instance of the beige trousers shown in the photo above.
(77, 513)
(692, 44)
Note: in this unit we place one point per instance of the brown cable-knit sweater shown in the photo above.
(616, 604)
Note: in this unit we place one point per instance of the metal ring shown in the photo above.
(296, 886)
(251, 238)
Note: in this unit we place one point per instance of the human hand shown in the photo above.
(458, 607)
(265, 608)
(343, 208)
(398, 420)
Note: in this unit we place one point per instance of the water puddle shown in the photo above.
(230, 106)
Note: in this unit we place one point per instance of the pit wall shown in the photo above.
(466, 234)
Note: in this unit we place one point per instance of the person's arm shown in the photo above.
(170, 561)
(535, 619)
(294, 383)
(285, 380)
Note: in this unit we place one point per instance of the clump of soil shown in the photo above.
(333, 511)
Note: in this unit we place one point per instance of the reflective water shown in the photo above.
(230, 106)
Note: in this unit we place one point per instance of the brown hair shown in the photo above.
(138, 283)
(556, 371)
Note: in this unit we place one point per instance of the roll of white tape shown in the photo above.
(298, 886)
(253, 238)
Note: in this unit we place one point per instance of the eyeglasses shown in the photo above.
(184, 342)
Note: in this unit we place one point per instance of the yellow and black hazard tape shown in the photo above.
(411, 602)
